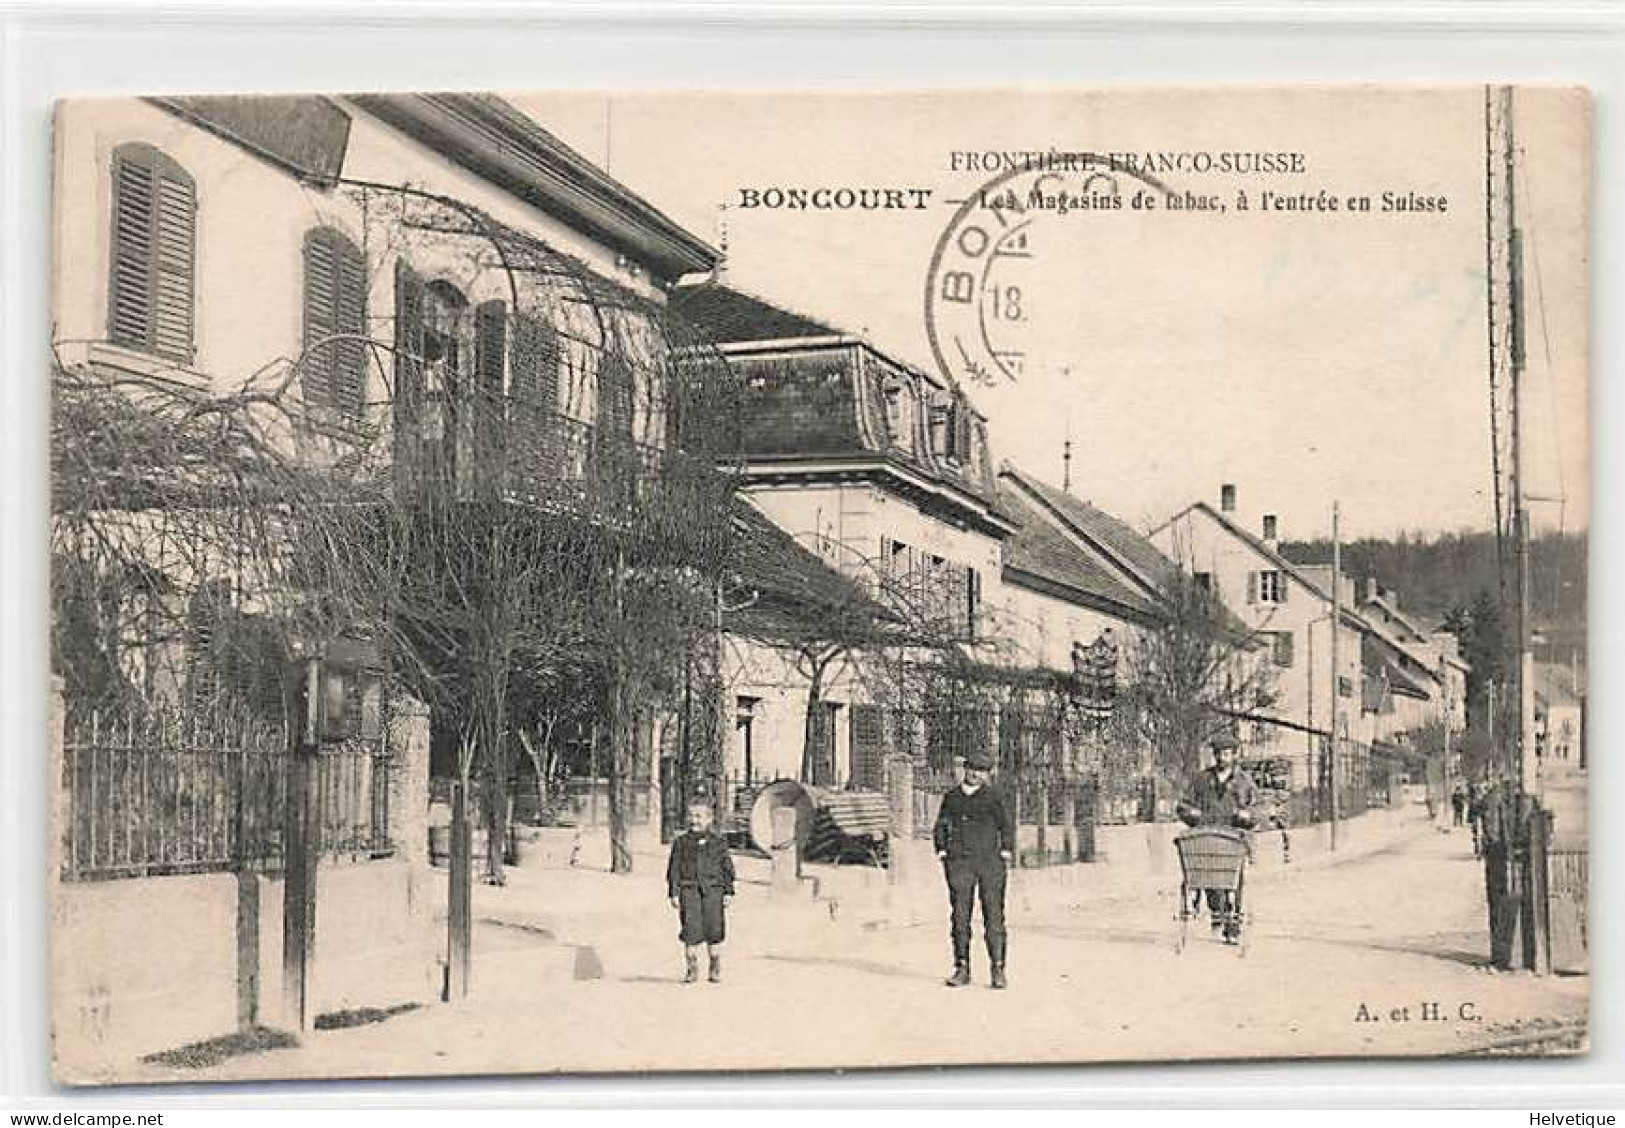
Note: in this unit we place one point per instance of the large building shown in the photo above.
(384, 264)
(884, 471)
(1393, 680)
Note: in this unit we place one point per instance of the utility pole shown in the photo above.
(1521, 851)
(1336, 679)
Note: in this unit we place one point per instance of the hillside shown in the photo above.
(1435, 574)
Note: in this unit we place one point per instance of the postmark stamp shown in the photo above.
(990, 269)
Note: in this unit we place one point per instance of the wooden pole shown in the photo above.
(300, 848)
(1336, 679)
(460, 903)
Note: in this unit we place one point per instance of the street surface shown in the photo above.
(1380, 954)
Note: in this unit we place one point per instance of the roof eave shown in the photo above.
(1071, 593)
(497, 141)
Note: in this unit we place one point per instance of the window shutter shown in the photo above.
(614, 396)
(535, 363)
(490, 365)
(490, 349)
(133, 252)
(350, 320)
(334, 371)
(973, 600)
(153, 253)
(408, 344)
(176, 232)
(1252, 587)
(886, 556)
(868, 748)
(319, 363)
(1281, 587)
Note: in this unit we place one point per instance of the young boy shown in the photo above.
(700, 882)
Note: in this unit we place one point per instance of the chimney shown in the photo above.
(1372, 589)
(1271, 528)
(1227, 498)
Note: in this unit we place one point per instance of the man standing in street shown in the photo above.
(1222, 795)
(975, 836)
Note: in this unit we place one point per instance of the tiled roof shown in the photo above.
(821, 399)
(1131, 551)
(727, 315)
(793, 590)
(1039, 549)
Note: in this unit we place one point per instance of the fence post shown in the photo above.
(61, 812)
(786, 854)
(61, 808)
(299, 884)
(299, 828)
(900, 800)
(408, 737)
(460, 892)
(1043, 821)
(1069, 829)
(1536, 906)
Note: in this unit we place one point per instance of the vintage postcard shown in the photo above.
(628, 582)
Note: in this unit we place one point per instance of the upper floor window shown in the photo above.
(1268, 586)
(900, 415)
(1283, 642)
(951, 429)
(335, 307)
(615, 396)
(153, 253)
(938, 427)
(1204, 581)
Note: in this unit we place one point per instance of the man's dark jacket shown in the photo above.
(699, 861)
(975, 825)
(1215, 802)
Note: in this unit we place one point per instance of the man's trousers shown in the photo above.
(968, 879)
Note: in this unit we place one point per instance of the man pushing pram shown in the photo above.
(1222, 796)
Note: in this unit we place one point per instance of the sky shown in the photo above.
(1304, 357)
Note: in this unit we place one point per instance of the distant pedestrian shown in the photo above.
(699, 883)
(1221, 795)
(1458, 803)
(975, 836)
(1477, 808)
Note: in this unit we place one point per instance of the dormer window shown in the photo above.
(900, 415)
(950, 429)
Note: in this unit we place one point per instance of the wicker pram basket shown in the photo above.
(1213, 858)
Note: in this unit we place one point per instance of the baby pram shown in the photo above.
(1213, 859)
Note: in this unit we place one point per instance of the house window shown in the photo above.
(447, 339)
(895, 558)
(153, 253)
(900, 416)
(334, 364)
(939, 430)
(1266, 587)
(1283, 643)
(1204, 581)
(744, 720)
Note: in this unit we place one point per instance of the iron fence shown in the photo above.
(171, 792)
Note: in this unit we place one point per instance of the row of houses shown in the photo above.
(440, 272)
(209, 236)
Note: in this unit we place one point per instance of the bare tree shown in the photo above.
(1191, 678)
(527, 472)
